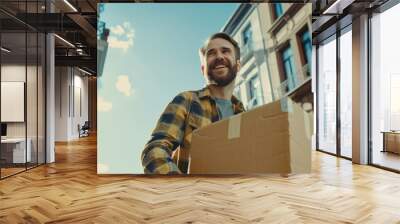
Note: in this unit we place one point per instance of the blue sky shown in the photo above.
(152, 56)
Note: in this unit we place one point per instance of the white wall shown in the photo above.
(17, 73)
(71, 94)
(33, 127)
(61, 103)
(81, 100)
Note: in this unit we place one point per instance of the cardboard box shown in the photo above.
(273, 138)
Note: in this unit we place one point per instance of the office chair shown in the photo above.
(84, 130)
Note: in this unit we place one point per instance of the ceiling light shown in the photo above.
(79, 51)
(70, 5)
(338, 6)
(5, 50)
(65, 41)
(86, 72)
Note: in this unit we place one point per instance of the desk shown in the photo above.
(15, 148)
(391, 141)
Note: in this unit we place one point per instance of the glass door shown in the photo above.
(346, 92)
(13, 103)
(22, 69)
(385, 89)
(326, 72)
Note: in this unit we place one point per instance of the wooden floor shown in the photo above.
(5, 172)
(70, 191)
(387, 159)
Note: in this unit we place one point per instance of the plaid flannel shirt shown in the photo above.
(185, 113)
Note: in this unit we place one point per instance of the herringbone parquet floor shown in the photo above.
(70, 191)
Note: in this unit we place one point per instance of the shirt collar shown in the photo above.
(205, 92)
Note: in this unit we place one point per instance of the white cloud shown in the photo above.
(126, 25)
(114, 42)
(117, 30)
(121, 36)
(103, 105)
(123, 85)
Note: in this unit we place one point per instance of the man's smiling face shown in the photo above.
(221, 63)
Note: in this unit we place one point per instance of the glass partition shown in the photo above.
(346, 93)
(327, 95)
(385, 89)
(22, 91)
(13, 104)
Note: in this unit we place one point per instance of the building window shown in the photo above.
(247, 40)
(236, 93)
(247, 35)
(289, 69)
(254, 92)
(304, 38)
(278, 10)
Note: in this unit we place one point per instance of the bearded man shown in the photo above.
(168, 150)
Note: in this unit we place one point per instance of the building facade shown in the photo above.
(286, 31)
(253, 85)
(276, 49)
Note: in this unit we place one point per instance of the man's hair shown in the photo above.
(225, 36)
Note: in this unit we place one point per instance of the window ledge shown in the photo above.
(301, 90)
(281, 21)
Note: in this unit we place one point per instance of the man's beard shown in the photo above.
(225, 80)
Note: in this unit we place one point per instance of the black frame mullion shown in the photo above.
(37, 91)
(69, 92)
(338, 100)
(0, 94)
(44, 79)
(26, 86)
(73, 92)
(316, 107)
(369, 90)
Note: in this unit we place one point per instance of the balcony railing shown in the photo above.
(252, 103)
(282, 89)
(289, 84)
(306, 70)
